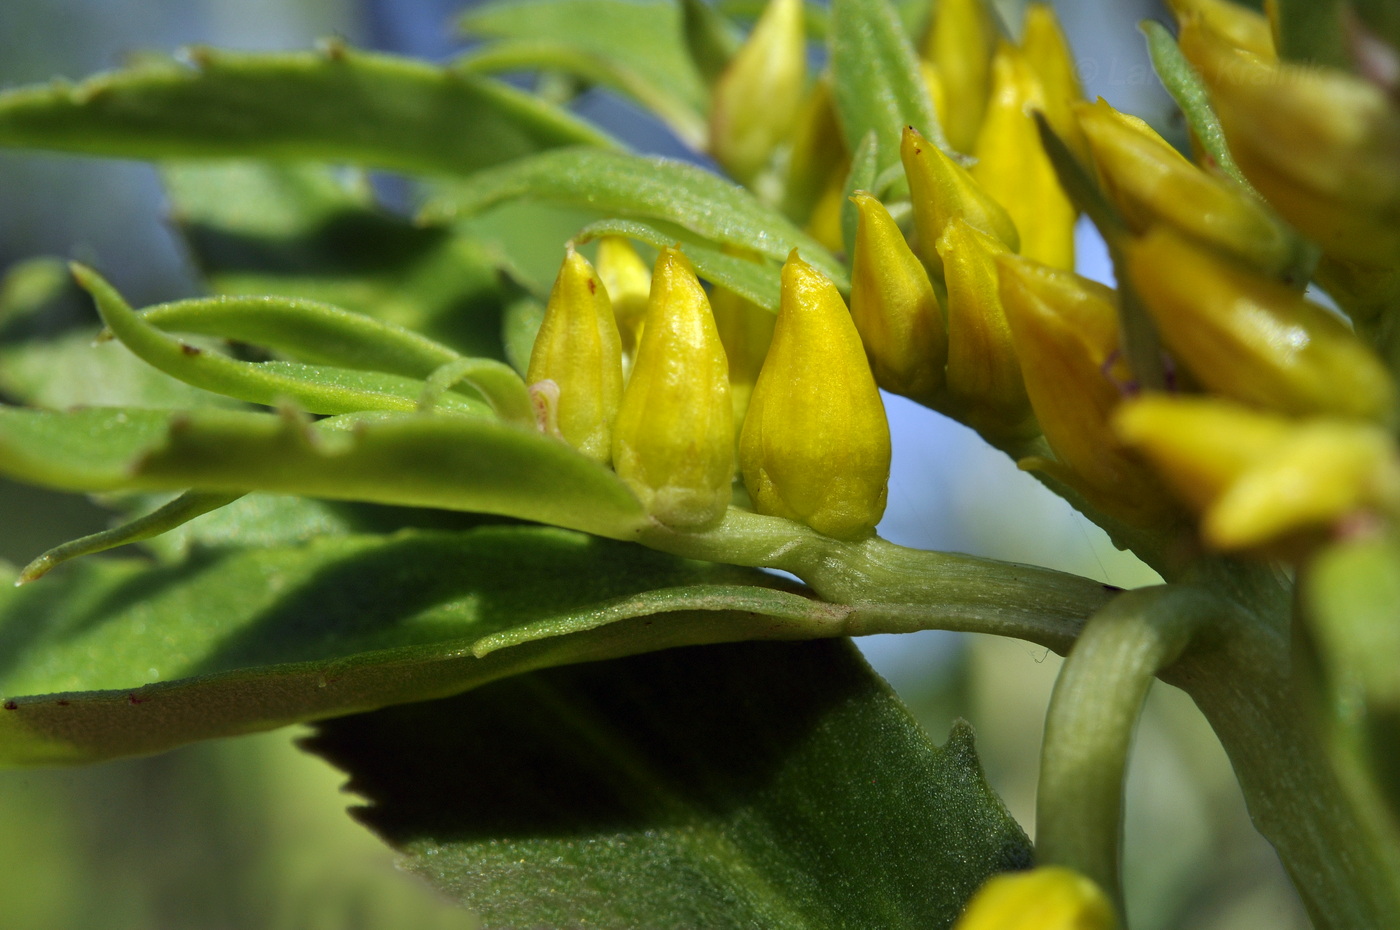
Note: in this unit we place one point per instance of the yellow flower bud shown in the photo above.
(1048, 54)
(1065, 329)
(984, 385)
(816, 445)
(1241, 27)
(894, 307)
(1252, 339)
(1012, 165)
(579, 350)
(673, 442)
(941, 189)
(627, 280)
(1047, 898)
(757, 97)
(1150, 182)
(1321, 145)
(959, 43)
(1260, 480)
(746, 330)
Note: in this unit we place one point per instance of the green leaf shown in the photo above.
(876, 84)
(306, 231)
(445, 461)
(536, 55)
(319, 333)
(167, 517)
(317, 389)
(633, 47)
(710, 37)
(643, 36)
(277, 520)
(119, 657)
(775, 785)
(30, 286)
(334, 105)
(71, 371)
(756, 281)
(42, 363)
(636, 187)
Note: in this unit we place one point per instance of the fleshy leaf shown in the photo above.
(120, 657)
(444, 461)
(337, 104)
(636, 187)
(308, 231)
(876, 84)
(776, 785)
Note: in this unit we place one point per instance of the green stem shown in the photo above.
(1242, 679)
(892, 589)
(1097, 700)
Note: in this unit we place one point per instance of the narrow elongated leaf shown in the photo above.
(445, 461)
(176, 513)
(775, 785)
(755, 281)
(307, 330)
(635, 48)
(536, 55)
(634, 187)
(317, 389)
(334, 105)
(119, 657)
(319, 333)
(63, 368)
(876, 84)
(644, 37)
(306, 231)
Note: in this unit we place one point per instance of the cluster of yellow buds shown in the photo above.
(1243, 392)
(815, 445)
(1296, 443)
(1208, 267)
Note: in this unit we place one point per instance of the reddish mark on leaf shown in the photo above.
(62, 703)
(133, 699)
(11, 705)
(592, 286)
(188, 349)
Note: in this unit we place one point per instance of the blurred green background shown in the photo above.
(250, 833)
